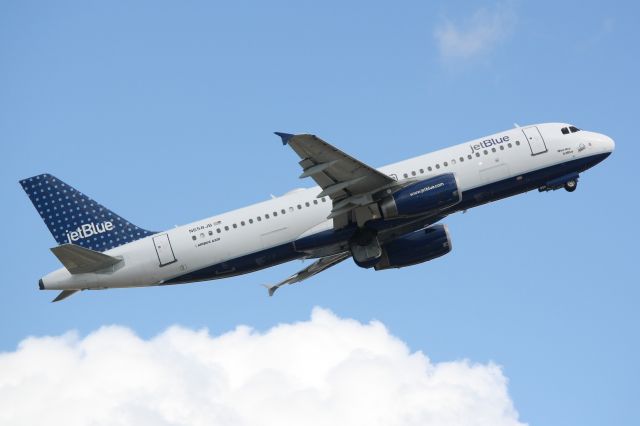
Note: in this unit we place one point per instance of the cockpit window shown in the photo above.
(573, 129)
(565, 130)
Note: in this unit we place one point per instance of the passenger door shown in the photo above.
(164, 249)
(536, 142)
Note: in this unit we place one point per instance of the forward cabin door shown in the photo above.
(164, 249)
(536, 142)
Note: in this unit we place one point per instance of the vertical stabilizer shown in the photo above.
(74, 218)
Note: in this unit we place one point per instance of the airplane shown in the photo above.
(381, 218)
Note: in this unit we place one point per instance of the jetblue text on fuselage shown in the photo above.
(488, 143)
(427, 188)
(88, 229)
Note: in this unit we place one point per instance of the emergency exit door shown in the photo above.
(164, 249)
(536, 143)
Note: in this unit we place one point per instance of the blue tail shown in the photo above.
(74, 218)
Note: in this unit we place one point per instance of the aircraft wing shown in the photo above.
(311, 270)
(349, 183)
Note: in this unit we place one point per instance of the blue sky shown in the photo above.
(164, 112)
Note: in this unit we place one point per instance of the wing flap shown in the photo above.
(316, 169)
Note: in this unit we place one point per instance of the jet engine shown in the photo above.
(416, 247)
(428, 195)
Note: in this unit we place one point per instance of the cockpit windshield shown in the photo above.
(570, 129)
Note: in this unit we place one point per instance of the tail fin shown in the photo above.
(74, 218)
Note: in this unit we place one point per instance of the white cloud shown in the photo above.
(478, 35)
(325, 371)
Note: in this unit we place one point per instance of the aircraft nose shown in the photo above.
(603, 142)
(609, 144)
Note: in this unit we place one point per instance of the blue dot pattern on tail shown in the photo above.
(72, 217)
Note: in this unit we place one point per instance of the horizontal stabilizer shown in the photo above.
(64, 294)
(80, 260)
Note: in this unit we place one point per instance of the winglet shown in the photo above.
(285, 137)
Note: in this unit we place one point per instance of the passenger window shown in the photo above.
(299, 207)
(477, 154)
(324, 200)
(413, 173)
(446, 164)
(485, 152)
(437, 166)
(193, 237)
(266, 216)
(218, 230)
(469, 157)
(315, 201)
(235, 226)
(307, 204)
(210, 232)
(275, 214)
(501, 147)
(226, 228)
(493, 149)
(461, 159)
(242, 223)
(290, 209)
(429, 168)
(202, 235)
(259, 218)
(406, 175)
(509, 145)
(283, 211)
(421, 171)
(517, 142)
(250, 220)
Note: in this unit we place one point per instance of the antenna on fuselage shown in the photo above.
(516, 125)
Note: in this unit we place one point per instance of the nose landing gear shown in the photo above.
(568, 182)
(571, 185)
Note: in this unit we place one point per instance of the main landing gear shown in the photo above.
(365, 248)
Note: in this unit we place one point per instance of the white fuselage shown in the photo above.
(299, 213)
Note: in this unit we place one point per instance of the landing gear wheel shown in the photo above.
(571, 185)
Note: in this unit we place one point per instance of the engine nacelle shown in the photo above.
(433, 194)
(416, 247)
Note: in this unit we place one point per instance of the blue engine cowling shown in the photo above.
(416, 247)
(428, 195)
